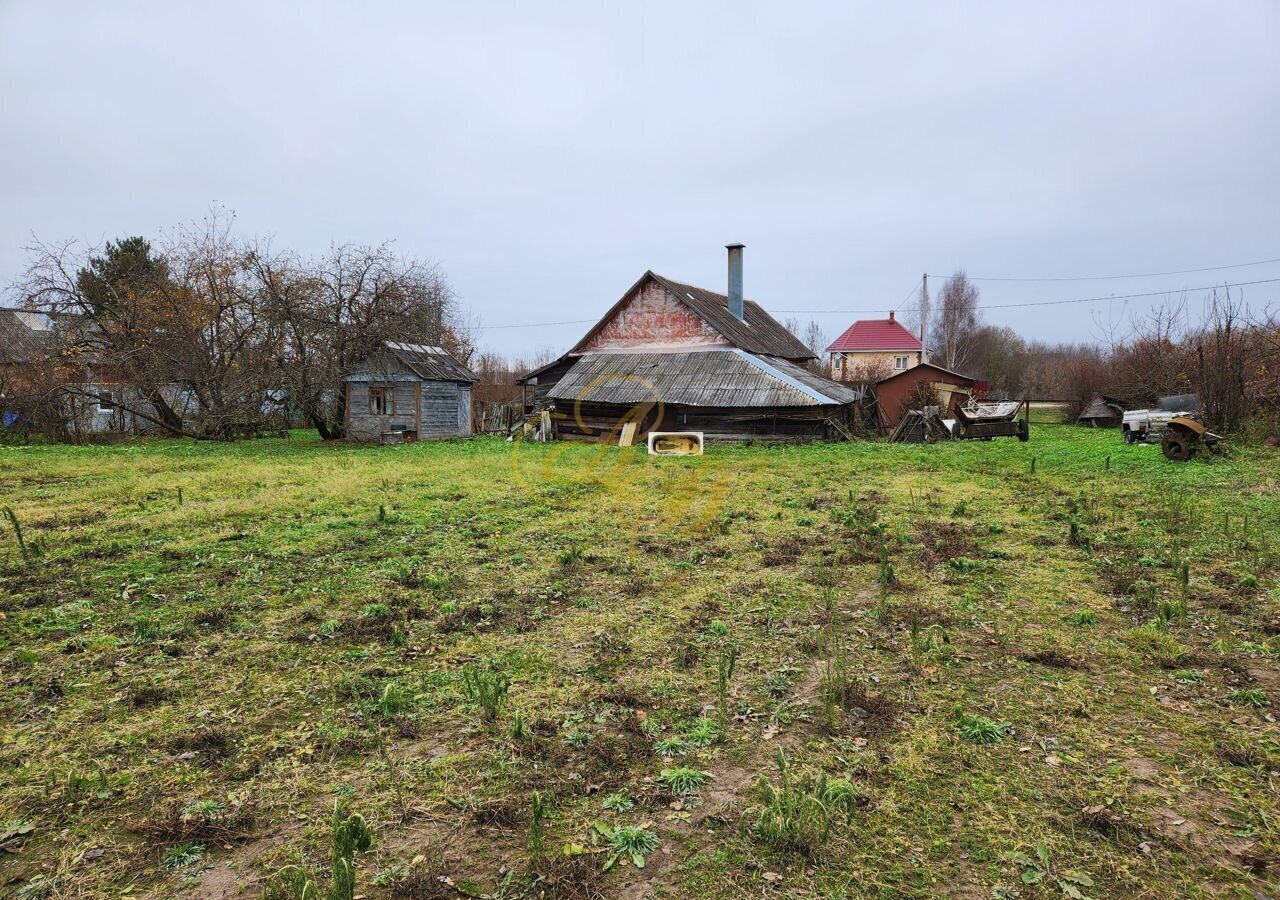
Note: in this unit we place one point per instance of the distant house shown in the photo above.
(897, 393)
(408, 391)
(871, 345)
(46, 381)
(669, 356)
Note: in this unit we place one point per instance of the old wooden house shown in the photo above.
(669, 356)
(407, 392)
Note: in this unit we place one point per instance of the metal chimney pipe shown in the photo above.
(735, 280)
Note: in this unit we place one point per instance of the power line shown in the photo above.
(539, 324)
(1062, 302)
(916, 290)
(1261, 262)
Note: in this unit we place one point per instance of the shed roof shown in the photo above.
(756, 332)
(1101, 408)
(720, 378)
(429, 362)
(916, 370)
(876, 334)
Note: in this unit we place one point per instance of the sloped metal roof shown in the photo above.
(875, 334)
(759, 333)
(720, 378)
(430, 362)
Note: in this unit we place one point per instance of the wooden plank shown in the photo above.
(628, 435)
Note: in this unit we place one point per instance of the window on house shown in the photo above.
(106, 401)
(382, 401)
(899, 362)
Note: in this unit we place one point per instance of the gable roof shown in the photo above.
(720, 378)
(916, 369)
(429, 362)
(759, 333)
(876, 334)
(1101, 408)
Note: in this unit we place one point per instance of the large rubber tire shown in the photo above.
(1130, 436)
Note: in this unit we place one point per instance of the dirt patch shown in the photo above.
(939, 541)
(784, 552)
(1054, 659)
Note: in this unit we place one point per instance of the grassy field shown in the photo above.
(973, 670)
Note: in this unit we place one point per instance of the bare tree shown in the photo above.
(812, 336)
(210, 334)
(177, 329)
(955, 323)
(334, 311)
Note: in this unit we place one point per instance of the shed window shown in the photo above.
(899, 362)
(382, 401)
(106, 401)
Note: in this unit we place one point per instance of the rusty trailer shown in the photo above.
(984, 420)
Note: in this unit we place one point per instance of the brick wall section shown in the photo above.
(652, 317)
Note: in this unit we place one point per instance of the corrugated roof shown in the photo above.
(759, 333)
(722, 378)
(429, 362)
(875, 334)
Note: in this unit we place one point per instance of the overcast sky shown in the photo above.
(547, 154)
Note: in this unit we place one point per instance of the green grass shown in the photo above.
(435, 633)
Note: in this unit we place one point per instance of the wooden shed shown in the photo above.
(894, 394)
(1101, 412)
(406, 392)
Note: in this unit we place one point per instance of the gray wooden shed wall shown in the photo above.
(435, 409)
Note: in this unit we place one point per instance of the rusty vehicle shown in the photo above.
(1184, 437)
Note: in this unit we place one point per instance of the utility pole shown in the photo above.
(924, 318)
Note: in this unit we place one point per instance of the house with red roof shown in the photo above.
(871, 349)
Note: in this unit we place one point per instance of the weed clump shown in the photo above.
(486, 688)
(796, 814)
(979, 729)
(633, 842)
(683, 781)
(349, 835)
(1157, 645)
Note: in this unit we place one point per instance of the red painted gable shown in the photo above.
(653, 318)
